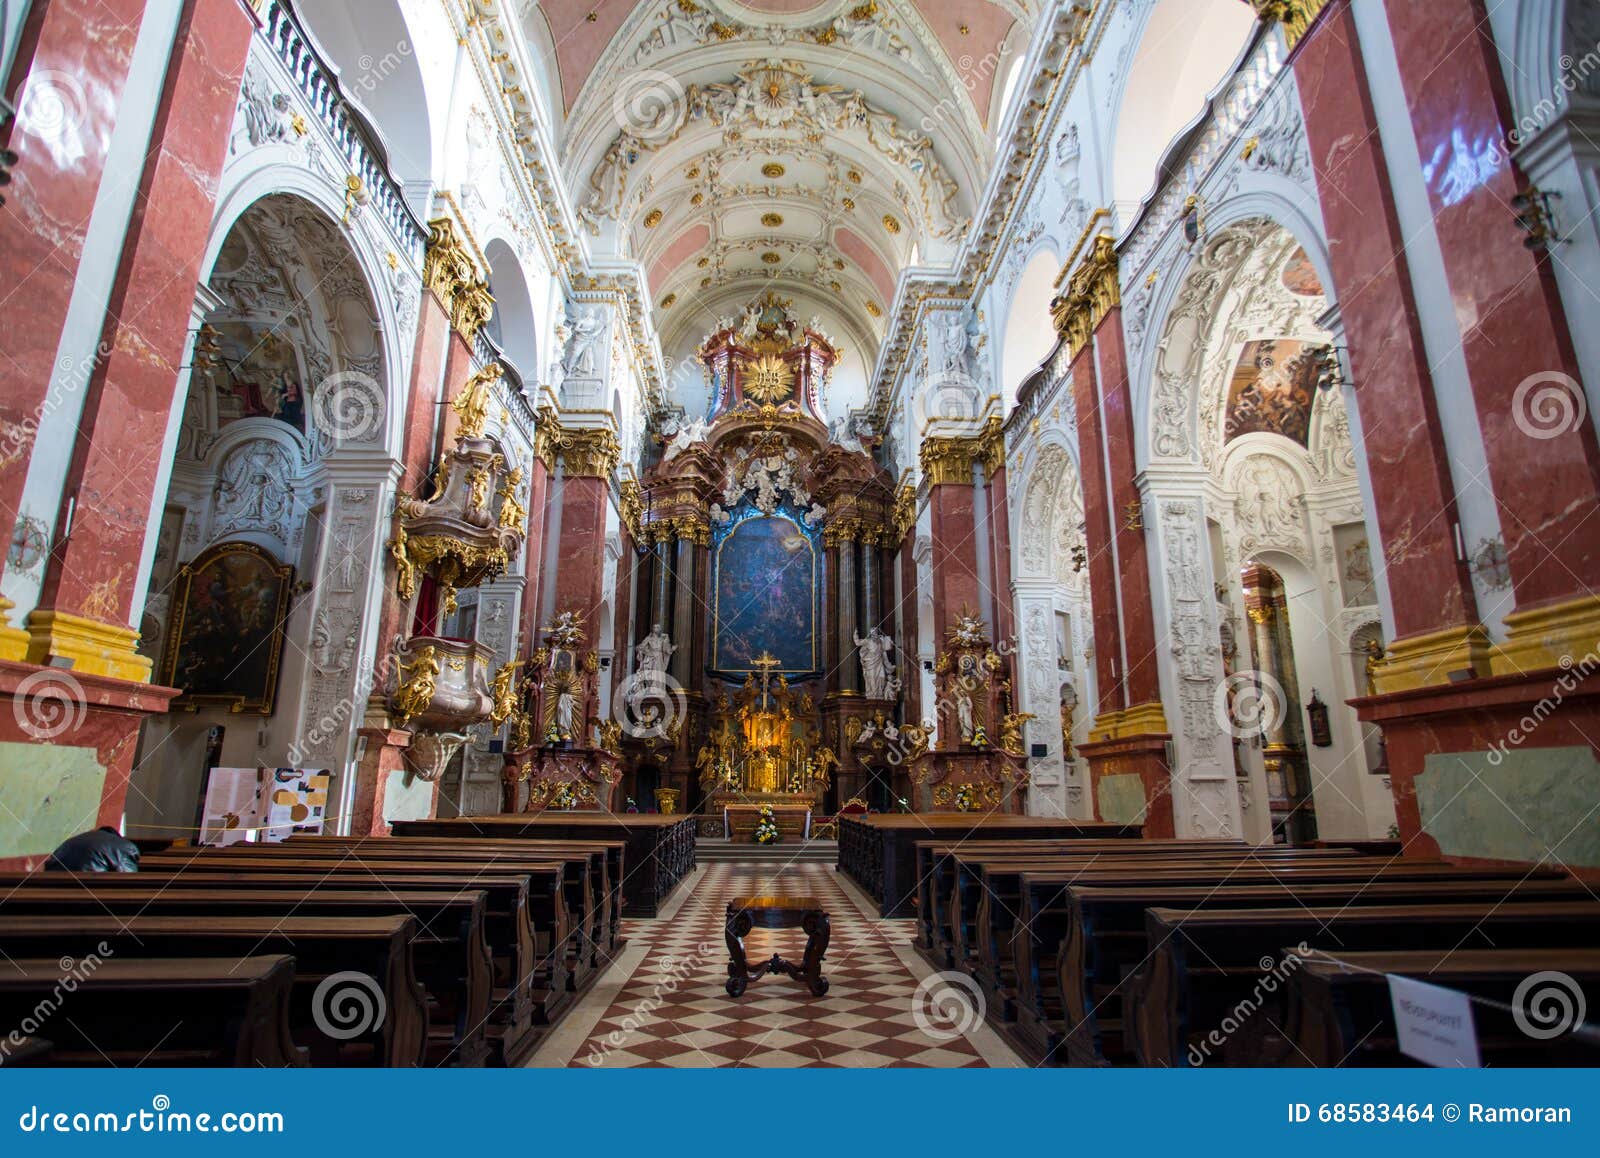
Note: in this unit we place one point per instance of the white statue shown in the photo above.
(586, 331)
(877, 668)
(653, 652)
(688, 434)
(566, 710)
(964, 710)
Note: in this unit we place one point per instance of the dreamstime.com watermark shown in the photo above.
(1548, 1004)
(160, 1118)
(1274, 972)
(675, 971)
(73, 974)
(1573, 673)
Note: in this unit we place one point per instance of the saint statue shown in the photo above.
(877, 669)
(653, 652)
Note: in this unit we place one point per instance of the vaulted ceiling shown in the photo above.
(813, 147)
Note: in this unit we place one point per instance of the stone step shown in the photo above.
(785, 851)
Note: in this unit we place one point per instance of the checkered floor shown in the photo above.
(664, 1004)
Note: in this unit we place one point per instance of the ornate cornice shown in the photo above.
(1091, 294)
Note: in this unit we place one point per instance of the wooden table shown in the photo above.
(746, 913)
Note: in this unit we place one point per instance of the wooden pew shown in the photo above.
(449, 950)
(607, 865)
(1204, 962)
(936, 868)
(1340, 1013)
(379, 947)
(1042, 917)
(530, 980)
(660, 848)
(386, 858)
(879, 850)
(1105, 939)
(196, 1011)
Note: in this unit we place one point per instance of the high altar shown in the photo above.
(765, 644)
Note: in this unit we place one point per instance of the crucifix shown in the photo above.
(766, 662)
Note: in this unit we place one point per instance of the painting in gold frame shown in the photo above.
(224, 645)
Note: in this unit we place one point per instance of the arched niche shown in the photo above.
(1030, 335)
(1186, 49)
(513, 326)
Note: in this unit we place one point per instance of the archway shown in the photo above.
(279, 458)
(512, 326)
(1053, 617)
(1249, 448)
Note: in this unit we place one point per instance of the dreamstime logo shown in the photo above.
(1548, 404)
(347, 1005)
(951, 396)
(52, 107)
(947, 1005)
(1250, 704)
(48, 703)
(649, 106)
(650, 705)
(349, 407)
(1547, 1005)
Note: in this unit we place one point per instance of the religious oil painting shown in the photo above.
(255, 373)
(1273, 387)
(226, 641)
(767, 587)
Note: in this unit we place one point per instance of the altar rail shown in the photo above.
(879, 852)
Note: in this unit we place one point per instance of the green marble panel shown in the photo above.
(1525, 804)
(51, 792)
(1122, 798)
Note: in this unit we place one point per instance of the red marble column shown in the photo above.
(1098, 538)
(533, 593)
(1429, 587)
(955, 556)
(580, 556)
(428, 357)
(832, 673)
(78, 51)
(1141, 685)
(93, 571)
(1005, 622)
(1546, 475)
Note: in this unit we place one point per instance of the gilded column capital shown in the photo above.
(1296, 16)
(949, 458)
(905, 510)
(590, 452)
(450, 272)
(1092, 293)
(630, 506)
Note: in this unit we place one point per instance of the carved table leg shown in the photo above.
(818, 931)
(739, 923)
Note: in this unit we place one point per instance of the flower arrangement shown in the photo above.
(564, 799)
(766, 826)
(966, 799)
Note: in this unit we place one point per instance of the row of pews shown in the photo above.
(879, 850)
(423, 951)
(1095, 952)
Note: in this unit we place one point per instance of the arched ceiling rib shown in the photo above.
(812, 147)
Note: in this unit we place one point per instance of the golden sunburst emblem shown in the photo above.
(769, 379)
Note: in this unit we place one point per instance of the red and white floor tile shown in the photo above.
(663, 1003)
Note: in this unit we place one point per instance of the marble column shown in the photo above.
(683, 616)
(956, 580)
(1098, 537)
(661, 604)
(1005, 622)
(50, 203)
(871, 580)
(850, 667)
(89, 594)
(1542, 456)
(1434, 610)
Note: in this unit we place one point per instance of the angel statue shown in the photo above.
(505, 696)
(877, 669)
